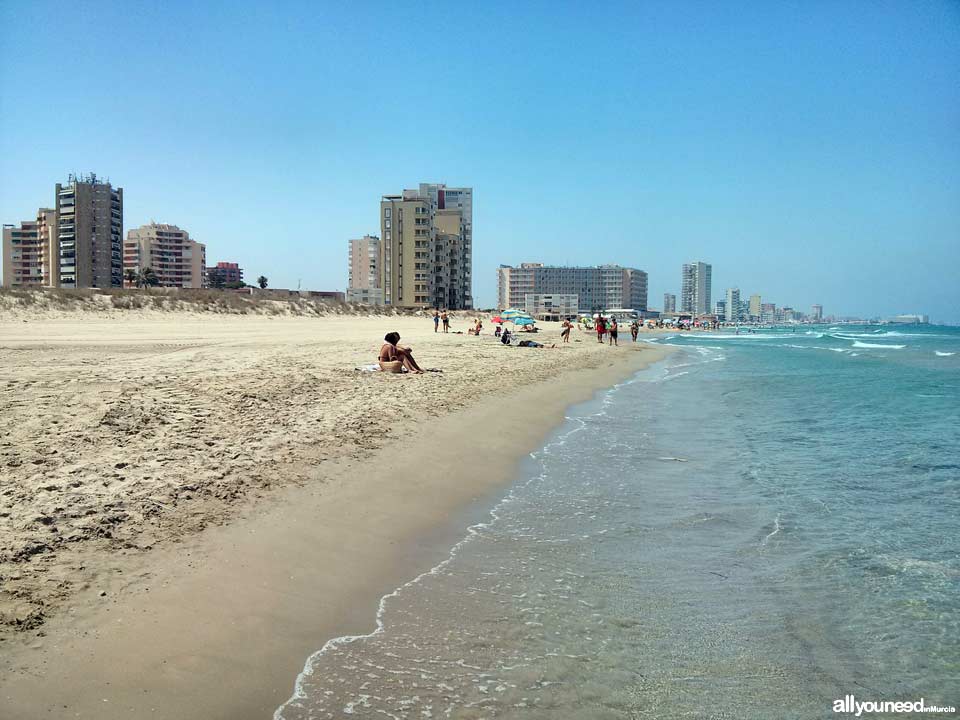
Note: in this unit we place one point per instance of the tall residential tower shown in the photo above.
(90, 233)
(695, 288)
(426, 247)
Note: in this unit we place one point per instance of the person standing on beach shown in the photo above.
(601, 328)
(565, 333)
(446, 321)
(613, 331)
(436, 319)
(634, 330)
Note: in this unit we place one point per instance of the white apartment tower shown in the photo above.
(695, 288)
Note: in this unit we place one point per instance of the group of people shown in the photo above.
(442, 317)
(611, 328)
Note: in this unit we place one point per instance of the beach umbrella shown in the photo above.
(498, 320)
(524, 320)
(510, 314)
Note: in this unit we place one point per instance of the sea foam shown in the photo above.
(858, 344)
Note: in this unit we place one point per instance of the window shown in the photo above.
(386, 223)
(386, 212)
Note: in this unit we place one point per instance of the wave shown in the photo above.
(944, 354)
(744, 336)
(859, 344)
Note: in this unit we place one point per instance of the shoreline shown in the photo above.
(220, 624)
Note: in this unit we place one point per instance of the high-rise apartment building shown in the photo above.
(426, 247)
(733, 305)
(720, 309)
(817, 313)
(669, 303)
(695, 288)
(30, 252)
(597, 288)
(363, 281)
(90, 233)
(176, 260)
(755, 307)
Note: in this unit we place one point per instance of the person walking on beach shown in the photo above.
(446, 321)
(601, 328)
(565, 333)
(436, 319)
(634, 330)
(613, 331)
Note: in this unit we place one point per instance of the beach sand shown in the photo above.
(191, 504)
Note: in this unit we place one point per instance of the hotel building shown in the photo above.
(669, 303)
(695, 288)
(597, 288)
(426, 243)
(30, 252)
(363, 281)
(755, 307)
(90, 233)
(177, 260)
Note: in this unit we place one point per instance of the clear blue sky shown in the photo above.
(809, 150)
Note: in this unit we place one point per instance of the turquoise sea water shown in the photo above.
(757, 526)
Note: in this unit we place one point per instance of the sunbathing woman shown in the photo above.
(391, 352)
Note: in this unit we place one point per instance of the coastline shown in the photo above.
(219, 624)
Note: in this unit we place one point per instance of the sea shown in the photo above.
(757, 527)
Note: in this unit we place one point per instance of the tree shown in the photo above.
(148, 278)
(131, 277)
(262, 282)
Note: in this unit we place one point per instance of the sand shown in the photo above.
(191, 504)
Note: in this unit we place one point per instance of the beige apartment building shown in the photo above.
(177, 260)
(363, 282)
(90, 233)
(31, 253)
(426, 247)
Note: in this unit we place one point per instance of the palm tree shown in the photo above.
(131, 277)
(148, 278)
(262, 282)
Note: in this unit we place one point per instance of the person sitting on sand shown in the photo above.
(393, 353)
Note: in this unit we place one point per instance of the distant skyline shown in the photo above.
(808, 151)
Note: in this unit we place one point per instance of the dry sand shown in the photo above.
(317, 489)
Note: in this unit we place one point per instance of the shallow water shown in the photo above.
(747, 530)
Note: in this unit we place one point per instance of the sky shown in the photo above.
(809, 150)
